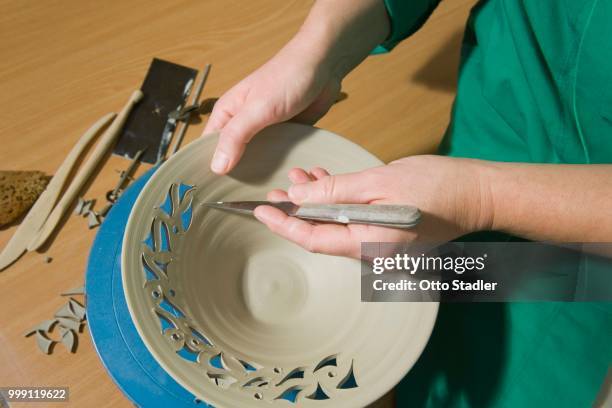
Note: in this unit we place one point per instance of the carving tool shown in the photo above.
(125, 175)
(43, 206)
(170, 126)
(392, 216)
(188, 110)
(103, 146)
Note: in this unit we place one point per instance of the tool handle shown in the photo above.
(105, 143)
(393, 216)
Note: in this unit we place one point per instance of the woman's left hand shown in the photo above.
(452, 194)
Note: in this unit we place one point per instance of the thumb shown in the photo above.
(234, 136)
(343, 188)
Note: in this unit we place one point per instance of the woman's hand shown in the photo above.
(303, 80)
(452, 194)
(292, 85)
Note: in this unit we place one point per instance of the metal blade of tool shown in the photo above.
(247, 207)
(166, 88)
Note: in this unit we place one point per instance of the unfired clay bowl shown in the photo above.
(241, 317)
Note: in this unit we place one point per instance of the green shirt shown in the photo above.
(535, 85)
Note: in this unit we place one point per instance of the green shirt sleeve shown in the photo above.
(405, 17)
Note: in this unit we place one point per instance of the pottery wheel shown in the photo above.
(113, 334)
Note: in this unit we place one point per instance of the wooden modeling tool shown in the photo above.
(42, 207)
(106, 142)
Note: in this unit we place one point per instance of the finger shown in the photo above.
(320, 238)
(297, 176)
(236, 134)
(343, 188)
(218, 118)
(278, 195)
(318, 173)
(223, 111)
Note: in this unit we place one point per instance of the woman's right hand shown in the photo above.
(294, 84)
(303, 80)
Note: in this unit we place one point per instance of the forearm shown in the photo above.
(560, 203)
(339, 34)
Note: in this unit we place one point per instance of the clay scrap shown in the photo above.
(67, 322)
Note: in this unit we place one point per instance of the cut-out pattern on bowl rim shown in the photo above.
(321, 380)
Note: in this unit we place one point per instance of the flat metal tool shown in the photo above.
(392, 216)
(165, 90)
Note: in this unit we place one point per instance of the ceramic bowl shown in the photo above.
(241, 317)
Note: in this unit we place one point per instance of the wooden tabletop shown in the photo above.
(67, 63)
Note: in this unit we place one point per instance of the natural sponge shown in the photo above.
(18, 191)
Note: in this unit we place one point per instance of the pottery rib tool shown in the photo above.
(43, 206)
(392, 216)
(165, 87)
(195, 105)
(103, 146)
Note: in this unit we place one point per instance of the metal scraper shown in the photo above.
(166, 88)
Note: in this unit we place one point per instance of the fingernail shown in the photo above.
(297, 192)
(220, 162)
